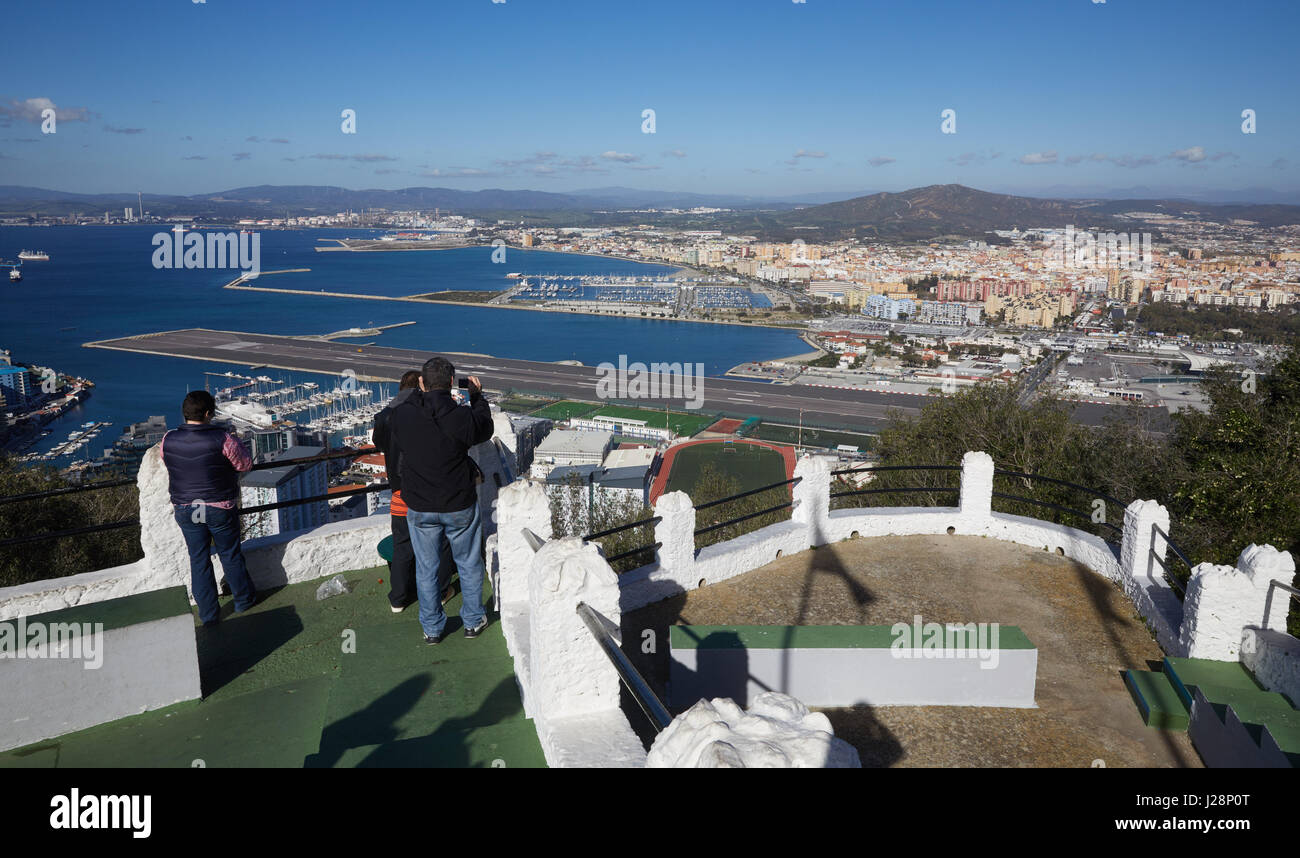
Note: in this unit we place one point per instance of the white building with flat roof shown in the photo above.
(570, 447)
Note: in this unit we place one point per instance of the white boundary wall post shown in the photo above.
(521, 504)
(1143, 579)
(1264, 564)
(1223, 601)
(812, 497)
(166, 557)
(570, 673)
(1218, 602)
(1135, 548)
(976, 487)
(676, 535)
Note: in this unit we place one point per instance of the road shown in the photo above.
(859, 409)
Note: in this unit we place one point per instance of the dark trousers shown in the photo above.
(202, 525)
(401, 571)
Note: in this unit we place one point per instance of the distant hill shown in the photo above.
(939, 210)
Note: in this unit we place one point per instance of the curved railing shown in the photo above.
(135, 521)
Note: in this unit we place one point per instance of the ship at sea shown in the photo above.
(15, 274)
(34, 256)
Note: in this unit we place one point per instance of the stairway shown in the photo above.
(1231, 720)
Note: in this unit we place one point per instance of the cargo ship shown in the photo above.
(34, 255)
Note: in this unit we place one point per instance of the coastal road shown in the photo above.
(867, 410)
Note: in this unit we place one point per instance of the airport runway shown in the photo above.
(862, 409)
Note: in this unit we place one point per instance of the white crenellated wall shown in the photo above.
(1223, 603)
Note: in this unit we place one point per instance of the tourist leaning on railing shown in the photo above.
(203, 466)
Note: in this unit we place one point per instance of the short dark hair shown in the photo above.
(439, 374)
(197, 405)
(410, 379)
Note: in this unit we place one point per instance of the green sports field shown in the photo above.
(750, 465)
(681, 423)
(565, 409)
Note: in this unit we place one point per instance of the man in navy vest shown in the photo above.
(203, 464)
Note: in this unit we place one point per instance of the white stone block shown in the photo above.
(778, 731)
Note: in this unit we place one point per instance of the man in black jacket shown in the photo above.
(401, 570)
(440, 487)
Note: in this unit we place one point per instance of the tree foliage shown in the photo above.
(56, 558)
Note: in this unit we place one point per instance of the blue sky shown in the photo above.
(761, 97)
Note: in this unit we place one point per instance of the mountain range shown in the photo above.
(916, 214)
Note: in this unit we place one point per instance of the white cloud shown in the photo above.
(1048, 157)
(29, 110)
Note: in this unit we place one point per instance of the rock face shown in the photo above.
(778, 732)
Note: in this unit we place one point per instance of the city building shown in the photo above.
(18, 382)
(570, 447)
(290, 482)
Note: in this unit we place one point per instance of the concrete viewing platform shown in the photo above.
(342, 682)
(1084, 627)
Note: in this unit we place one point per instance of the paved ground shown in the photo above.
(864, 409)
(280, 691)
(1085, 629)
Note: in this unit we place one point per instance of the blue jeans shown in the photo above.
(464, 530)
(220, 527)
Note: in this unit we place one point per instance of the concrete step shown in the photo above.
(1234, 722)
(1157, 700)
(1186, 674)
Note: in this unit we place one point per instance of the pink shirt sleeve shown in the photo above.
(236, 453)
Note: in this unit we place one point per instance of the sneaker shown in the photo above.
(449, 593)
(396, 609)
(477, 630)
(433, 640)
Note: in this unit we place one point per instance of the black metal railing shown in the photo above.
(135, 522)
(1111, 533)
(1174, 583)
(622, 527)
(734, 520)
(738, 496)
(712, 527)
(66, 490)
(839, 496)
(75, 531)
(631, 552)
(1293, 599)
(644, 695)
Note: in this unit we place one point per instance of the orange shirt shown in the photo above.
(398, 506)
